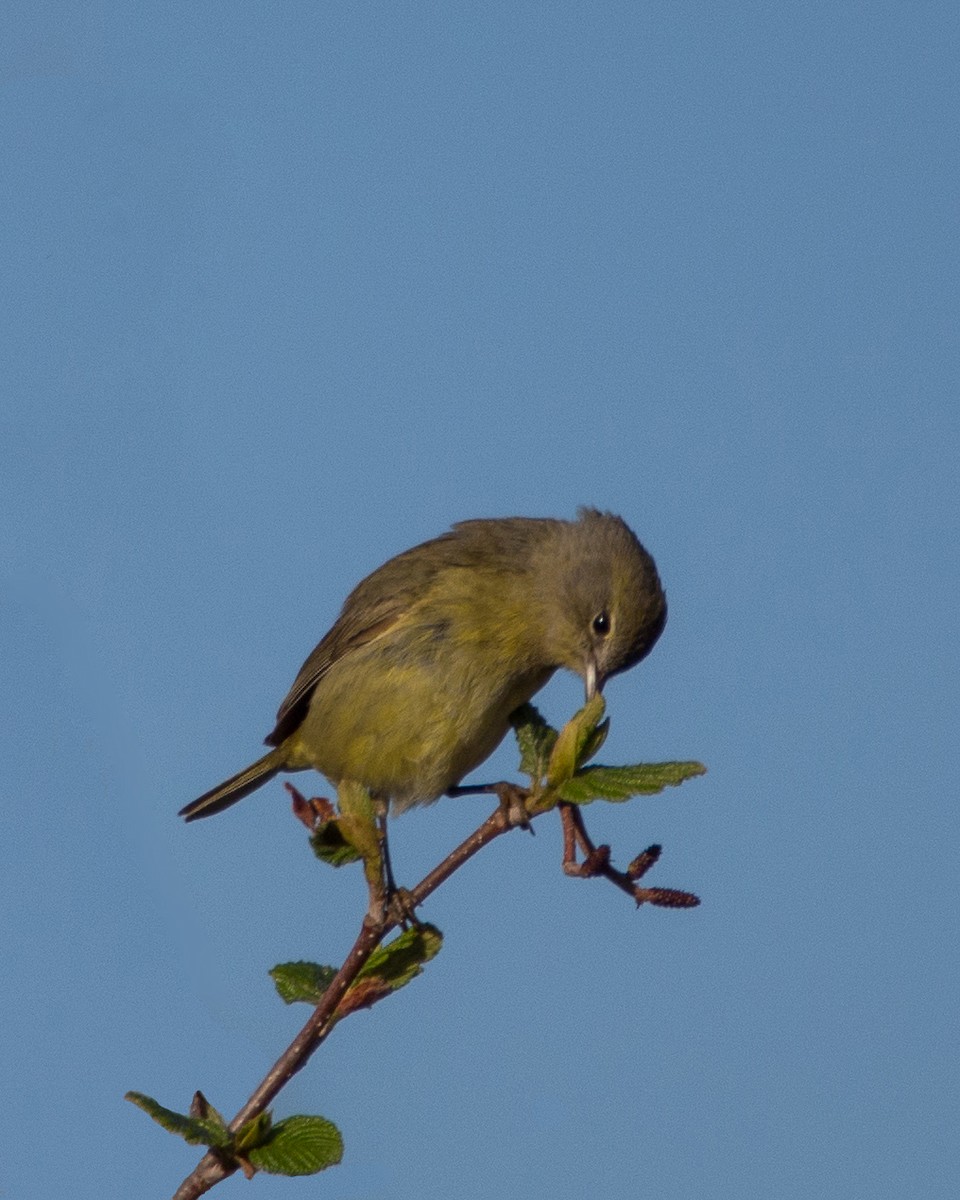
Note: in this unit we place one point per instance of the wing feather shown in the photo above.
(345, 636)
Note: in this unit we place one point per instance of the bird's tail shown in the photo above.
(236, 787)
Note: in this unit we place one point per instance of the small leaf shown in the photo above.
(576, 738)
(301, 981)
(201, 1108)
(312, 812)
(593, 743)
(535, 739)
(620, 783)
(363, 994)
(298, 1146)
(194, 1130)
(330, 846)
(401, 960)
(253, 1134)
(392, 967)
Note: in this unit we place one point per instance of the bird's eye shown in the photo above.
(601, 624)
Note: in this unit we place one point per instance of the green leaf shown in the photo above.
(620, 783)
(594, 741)
(580, 737)
(253, 1134)
(330, 846)
(201, 1108)
(535, 739)
(298, 1146)
(194, 1130)
(390, 968)
(402, 959)
(301, 981)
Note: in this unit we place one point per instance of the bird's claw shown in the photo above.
(513, 804)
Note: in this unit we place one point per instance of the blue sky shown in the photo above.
(290, 288)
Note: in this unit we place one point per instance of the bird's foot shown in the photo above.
(401, 908)
(513, 803)
(513, 800)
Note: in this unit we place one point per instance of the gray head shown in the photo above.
(601, 595)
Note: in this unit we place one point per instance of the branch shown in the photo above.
(212, 1169)
(596, 863)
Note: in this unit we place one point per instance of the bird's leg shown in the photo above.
(397, 902)
(513, 800)
(375, 872)
(388, 880)
(363, 823)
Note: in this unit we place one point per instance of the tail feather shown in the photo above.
(236, 787)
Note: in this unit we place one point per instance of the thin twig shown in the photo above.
(596, 864)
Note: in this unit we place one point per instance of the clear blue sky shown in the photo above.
(288, 288)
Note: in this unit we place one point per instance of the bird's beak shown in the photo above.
(591, 684)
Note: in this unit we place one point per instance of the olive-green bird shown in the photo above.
(414, 685)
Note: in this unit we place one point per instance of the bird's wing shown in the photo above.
(390, 593)
(347, 635)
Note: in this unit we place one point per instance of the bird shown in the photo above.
(413, 686)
